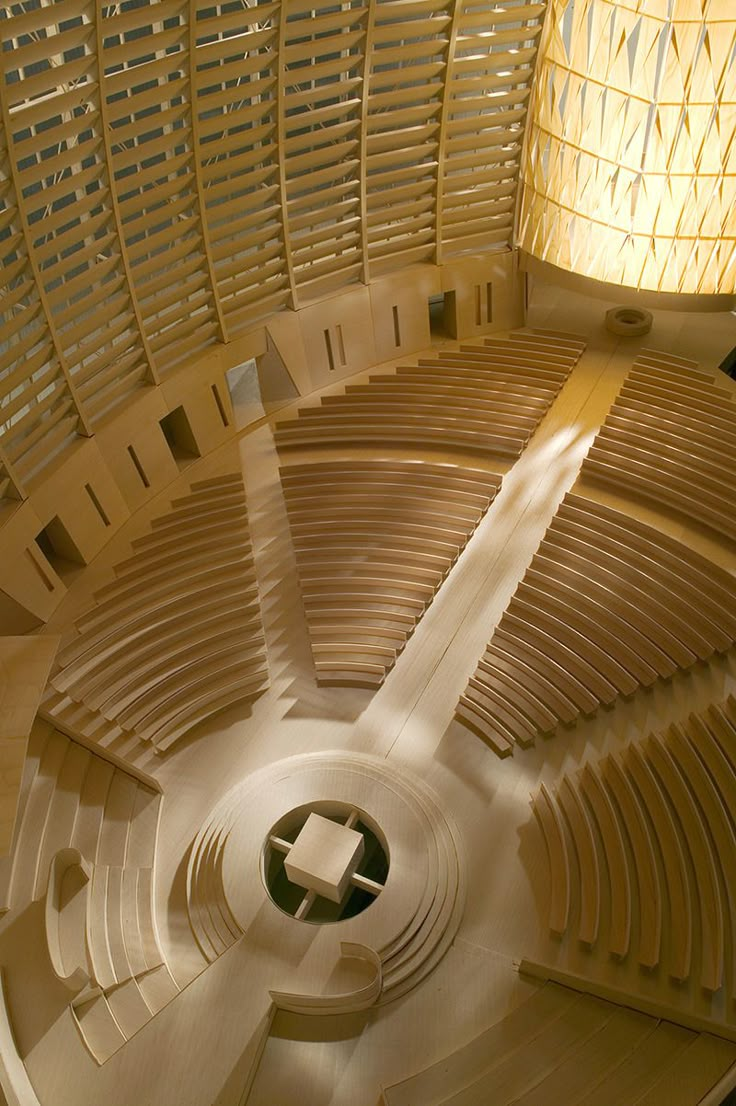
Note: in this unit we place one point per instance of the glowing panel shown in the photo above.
(629, 171)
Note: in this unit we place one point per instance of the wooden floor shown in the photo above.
(196, 1051)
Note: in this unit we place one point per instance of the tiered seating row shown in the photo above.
(487, 398)
(178, 634)
(654, 833)
(670, 439)
(607, 606)
(373, 541)
(73, 802)
(562, 1047)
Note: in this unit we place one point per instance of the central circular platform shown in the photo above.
(310, 838)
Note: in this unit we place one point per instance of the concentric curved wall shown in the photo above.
(629, 174)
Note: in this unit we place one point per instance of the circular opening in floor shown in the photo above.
(325, 862)
(628, 320)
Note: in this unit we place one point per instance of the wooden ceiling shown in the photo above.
(172, 173)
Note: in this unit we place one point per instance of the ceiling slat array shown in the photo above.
(173, 172)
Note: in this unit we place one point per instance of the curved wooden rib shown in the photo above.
(618, 872)
(342, 1003)
(559, 865)
(709, 895)
(710, 803)
(582, 835)
(647, 874)
(678, 888)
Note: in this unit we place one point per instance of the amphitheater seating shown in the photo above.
(670, 440)
(176, 636)
(487, 398)
(669, 797)
(607, 606)
(373, 541)
(74, 801)
(561, 1047)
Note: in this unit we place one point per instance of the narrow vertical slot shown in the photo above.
(96, 504)
(341, 345)
(397, 331)
(489, 302)
(478, 319)
(220, 408)
(328, 345)
(139, 467)
(44, 578)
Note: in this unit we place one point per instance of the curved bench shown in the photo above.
(590, 881)
(704, 867)
(619, 885)
(712, 811)
(639, 449)
(374, 541)
(554, 835)
(485, 398)
(671, 794)
(607, 605)
(678, 885)
(673, 797)
(649, 895)
(177, 635)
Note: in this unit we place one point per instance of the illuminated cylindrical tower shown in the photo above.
(629, 173)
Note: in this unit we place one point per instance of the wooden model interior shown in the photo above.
(367, 605)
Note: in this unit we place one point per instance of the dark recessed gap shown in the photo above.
(443, 315)
(178, 433)
(288, 896)
(330, 356)
(58, 547)
(139, 467)
(341, 345)
(96, 504)
(397, 331)
(220, 407)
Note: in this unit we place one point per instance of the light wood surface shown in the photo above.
(561, 1046)
(670, 438)
(25, 663)
(177, 636)
(217, 192)
(605, 608)
(672, 788)
(408, 723)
